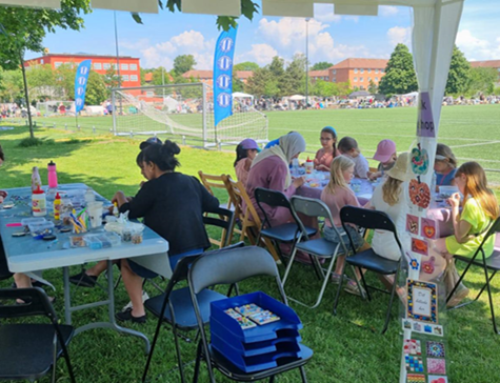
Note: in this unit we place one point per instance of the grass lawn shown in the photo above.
(344, 352)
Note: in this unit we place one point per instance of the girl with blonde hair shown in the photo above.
(337, 195)
(479, 210)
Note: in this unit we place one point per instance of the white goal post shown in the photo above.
(185, 111)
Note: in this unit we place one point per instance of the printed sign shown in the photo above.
(425, 124)
(422, 301)
(81, 79)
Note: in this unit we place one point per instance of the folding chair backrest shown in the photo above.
(224, 221)
(495, 228)
(36, 303)
(244, 206)
(231, 266)
(272, 198)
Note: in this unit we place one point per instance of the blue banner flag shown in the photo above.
(223, 75)
(81, 79)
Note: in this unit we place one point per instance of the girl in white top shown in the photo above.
(391, 197)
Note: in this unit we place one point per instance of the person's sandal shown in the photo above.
(84, 280)
(126, 316)
(352, 288)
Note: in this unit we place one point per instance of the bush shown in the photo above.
(28, 142)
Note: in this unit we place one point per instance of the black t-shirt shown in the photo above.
(173, 205)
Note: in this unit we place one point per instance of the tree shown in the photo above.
(295, 78)
(459, 75)
(256, 84)
(160, 76)
(277, 67)
(247, 65)
(11, 86)
(25, 28)
(482, 80)
(96, 92)
(41, 82)
(372, 87)
(323, 65)
(184, 63)
(111, 79)
(400, 75)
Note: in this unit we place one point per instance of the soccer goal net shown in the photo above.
(185, 110)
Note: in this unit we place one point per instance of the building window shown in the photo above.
(335, 71)
(41, 62)
(361, 79)
(97, 66)
(376, 71)
(369, 79)
(355, 70)
(107, 66)
(115, 66)
(381, 71)
(376, 79)
(334, 79)
(133, 66)
(133, 78)
(355, 79)
(369, 71)
(361, 71)
(125, 77)
(124, 66)
(58, 64)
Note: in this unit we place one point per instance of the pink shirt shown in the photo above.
(270, 173)
(242, 169)
(343, 196)
(323, 158)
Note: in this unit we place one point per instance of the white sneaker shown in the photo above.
(145, 297)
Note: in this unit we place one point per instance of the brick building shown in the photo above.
(495, 64)
(358, 72)
(130, 69)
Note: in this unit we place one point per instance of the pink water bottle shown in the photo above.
(52, 174)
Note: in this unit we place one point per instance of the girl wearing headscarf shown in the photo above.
(270, 170)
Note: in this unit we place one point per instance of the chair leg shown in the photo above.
(153, 345)
(179, 356)
(289, 267)
(66, 356)
(495, 329)
(391, 301)
(337, 295)
(197, 363)
(484, 286)
(54, 359)
(271, 379)
(303, 374)
(364, 282)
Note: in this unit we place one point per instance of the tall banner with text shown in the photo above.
(81, 79)
(223, 75)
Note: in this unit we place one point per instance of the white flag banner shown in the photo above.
(212, 7)
(138, 6)
(56, 4)
(288, 8)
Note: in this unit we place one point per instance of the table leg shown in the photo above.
(110, 302)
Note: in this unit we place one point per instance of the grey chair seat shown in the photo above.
(26, 350)
(319, 247)
(368, 259)
(492, 263)
(286, 232)
(185, 317)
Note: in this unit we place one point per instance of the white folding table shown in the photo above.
(26, 255)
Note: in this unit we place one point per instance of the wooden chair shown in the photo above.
(218, 182)
(247, 215)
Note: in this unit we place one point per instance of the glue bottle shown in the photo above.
(116, 212)
(39, 203)
(36, 182)
(57, 207)
(309, 166)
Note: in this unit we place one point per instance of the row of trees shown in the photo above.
(400, 76)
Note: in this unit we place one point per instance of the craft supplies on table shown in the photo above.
(255, 331)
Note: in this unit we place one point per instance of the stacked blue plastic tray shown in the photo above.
(261, 347)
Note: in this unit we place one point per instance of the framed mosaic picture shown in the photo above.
(422, 301)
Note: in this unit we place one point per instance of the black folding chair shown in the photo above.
(224, 221)
(491, 263)
(4, 270)
(317, 248)
(181, 315)
(231, 267)
(30, 350)
(368, 259)
(285, 233)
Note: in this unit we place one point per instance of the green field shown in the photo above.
(344, 352)
(472, 131)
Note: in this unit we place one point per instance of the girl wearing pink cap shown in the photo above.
(246, 151)
(386, 154)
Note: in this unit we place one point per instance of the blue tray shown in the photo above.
(261, 362)
(224, 326)
(232, 345)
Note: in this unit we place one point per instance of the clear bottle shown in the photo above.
(36, 181)
(295, 167)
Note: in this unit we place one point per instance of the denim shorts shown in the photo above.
(330, 234)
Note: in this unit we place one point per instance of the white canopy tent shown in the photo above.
(297, 97)
(242, 95)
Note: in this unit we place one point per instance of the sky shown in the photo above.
(332, 38)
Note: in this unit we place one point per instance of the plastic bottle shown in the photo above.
(116, 212)
(36, 182)
(309, 166)
(295, 167)
(434, 183)
(52, 174)
(39, 203)
(57, 207)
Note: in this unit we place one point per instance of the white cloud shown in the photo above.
(133, 45)
(262, 54)
(398, 35)
(476, 48)
(388, 11)
(188, 42)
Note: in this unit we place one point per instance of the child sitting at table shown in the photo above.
(348, 147)
(445, 166)
(386, 155)
(328, 152)
(246, 151)
(336, 195)
(479, 210)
